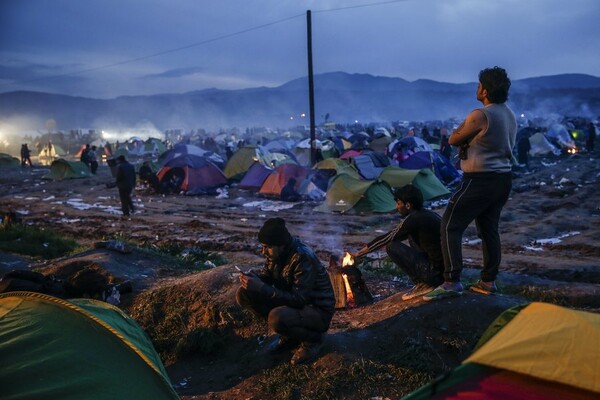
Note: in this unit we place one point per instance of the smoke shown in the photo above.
(113, 132)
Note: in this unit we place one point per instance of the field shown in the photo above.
(184, 248)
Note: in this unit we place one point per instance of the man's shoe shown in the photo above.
(484, 287)
(306, 353)
(283, 343)
(445, 291)
(418, 290)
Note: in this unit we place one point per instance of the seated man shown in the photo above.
(422, 261)
(292, 291)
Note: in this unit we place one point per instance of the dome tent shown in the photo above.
(77, 349)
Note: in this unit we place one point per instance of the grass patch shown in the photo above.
(358, 379)
(35, 242)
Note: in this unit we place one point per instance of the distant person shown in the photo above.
(289, 193)
(422, 258)
(591, 138)
(125, 179)
(292, 292)
(93, 159)
(445, 148)
(486, 139)
(523, 148)
(85, 155)
(25, 156)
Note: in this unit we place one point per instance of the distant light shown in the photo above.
(303, 115)
(575, 134)
(356, 121)
(291, 117)
(522, 115)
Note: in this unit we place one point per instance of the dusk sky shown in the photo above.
(110, 48)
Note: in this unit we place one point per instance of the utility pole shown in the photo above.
(311, 90)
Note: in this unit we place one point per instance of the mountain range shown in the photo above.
(342, 97)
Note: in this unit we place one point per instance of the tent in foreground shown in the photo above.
(538, 351)
(78, 349)
(62, 169)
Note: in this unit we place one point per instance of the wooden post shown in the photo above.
(311, 89)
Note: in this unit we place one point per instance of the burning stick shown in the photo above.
(347, 261)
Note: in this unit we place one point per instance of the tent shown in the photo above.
(280, 176)
(240, 162)
(370, 164)
(424, 179)
(338, 165)
(537, 351)
(7, 161)
(195, 174)
(347, 193)
(51, 151)
(79, 349)
(540, 145)
(62, 169)
(255, 177)
(443, 168)
(182, 151)
(559, 135)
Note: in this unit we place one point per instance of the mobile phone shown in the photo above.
(239, 270)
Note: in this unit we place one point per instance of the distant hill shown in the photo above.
(345, 97)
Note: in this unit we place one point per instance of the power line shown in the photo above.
(226, 36)
(159, 53)
(361, 6)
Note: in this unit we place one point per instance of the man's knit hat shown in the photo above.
(274, 232)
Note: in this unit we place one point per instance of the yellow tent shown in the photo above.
(548, 342)
(536, 351)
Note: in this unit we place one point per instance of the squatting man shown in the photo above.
(292, 292)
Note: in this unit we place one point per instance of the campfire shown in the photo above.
(349, 288)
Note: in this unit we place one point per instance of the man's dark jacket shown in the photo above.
(125, 175)
(299, 279)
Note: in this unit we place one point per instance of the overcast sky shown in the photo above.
(109, 48)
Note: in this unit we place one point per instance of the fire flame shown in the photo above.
(572, 150)
(349, 294)
(348, 260)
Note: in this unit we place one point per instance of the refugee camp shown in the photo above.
(229, 214)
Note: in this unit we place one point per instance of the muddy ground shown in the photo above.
(549, 229)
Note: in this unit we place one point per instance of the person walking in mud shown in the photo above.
(125, 179)
(486, 139)
(422, 259)
(292, 292)
(25, 156)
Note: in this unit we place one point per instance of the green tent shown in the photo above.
(340, 166)
(424, 179)
(347, 193)
(78, 349)
(240, 162)
(537, 351)
(7, 161)
(62, 169)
